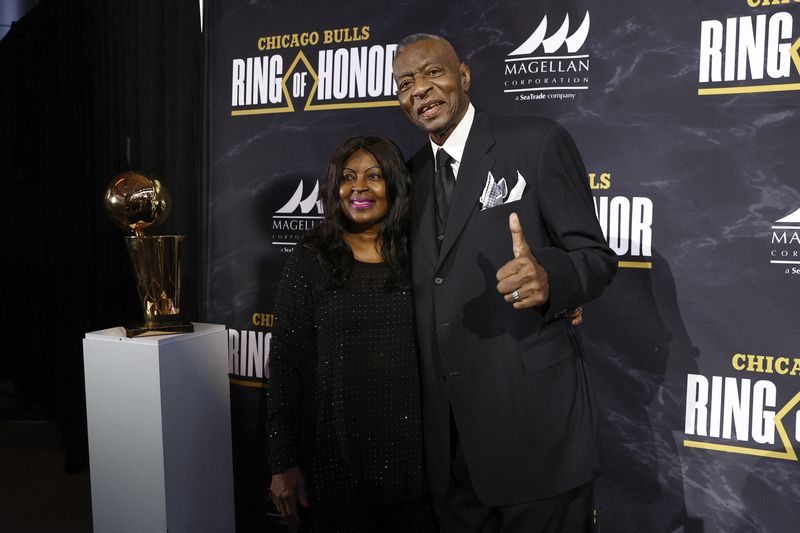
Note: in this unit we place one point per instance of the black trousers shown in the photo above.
(460, 510)
(370, 517)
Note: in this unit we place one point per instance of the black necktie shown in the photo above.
(443, 183)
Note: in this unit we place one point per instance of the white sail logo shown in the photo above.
(551, 44)
(306, 204)
(793, 218)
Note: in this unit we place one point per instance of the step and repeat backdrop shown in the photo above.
(687, 115)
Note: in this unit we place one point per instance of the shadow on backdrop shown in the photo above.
(638, 355)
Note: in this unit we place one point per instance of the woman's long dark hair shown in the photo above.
(327, 238)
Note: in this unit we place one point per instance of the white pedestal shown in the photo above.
(159, 431)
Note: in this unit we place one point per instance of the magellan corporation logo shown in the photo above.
(753, 53)
(549, 66)
(320, 70)
(785, 241)
(296, 217)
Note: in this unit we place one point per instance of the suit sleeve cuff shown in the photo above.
(564, 282)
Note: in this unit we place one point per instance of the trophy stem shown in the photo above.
(157, 262)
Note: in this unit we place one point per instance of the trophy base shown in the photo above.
(159, 329)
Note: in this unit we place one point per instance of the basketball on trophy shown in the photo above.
(136, 201)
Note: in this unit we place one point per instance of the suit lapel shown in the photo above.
(472, 171)
(422, 192)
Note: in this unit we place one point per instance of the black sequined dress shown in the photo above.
(344, 392)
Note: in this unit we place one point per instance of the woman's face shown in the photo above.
(362, 191)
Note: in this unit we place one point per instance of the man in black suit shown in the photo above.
(504, 241)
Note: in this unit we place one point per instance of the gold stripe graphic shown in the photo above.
(749, 89)
(635, 264)
(316, 107)
(352, 105)
(261, 111)
(737, 449)
(246, 383)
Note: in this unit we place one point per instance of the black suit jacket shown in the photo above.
(514, 379)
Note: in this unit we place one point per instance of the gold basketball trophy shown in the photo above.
(137, 202)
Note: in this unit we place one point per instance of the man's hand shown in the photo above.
(288, 489)
(522, 281)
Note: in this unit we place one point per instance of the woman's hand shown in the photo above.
(288, 489)
(576, 315)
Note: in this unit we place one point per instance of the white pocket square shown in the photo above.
(516, 192)
(496, 192)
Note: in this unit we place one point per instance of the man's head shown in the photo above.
(432, 84)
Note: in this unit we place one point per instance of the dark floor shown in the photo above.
(36, 495)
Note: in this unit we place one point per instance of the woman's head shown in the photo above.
(362, 193)
(366, 185)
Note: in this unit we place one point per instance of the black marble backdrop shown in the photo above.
(699, 193)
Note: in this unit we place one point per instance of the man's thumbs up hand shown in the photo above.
(518, 242)
(522, 281)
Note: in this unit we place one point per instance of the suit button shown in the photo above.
(442, 378)
(438, 281)
(440, 237)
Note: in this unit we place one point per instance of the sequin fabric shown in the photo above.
(344, 392)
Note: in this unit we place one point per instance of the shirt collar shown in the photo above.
(454, 145)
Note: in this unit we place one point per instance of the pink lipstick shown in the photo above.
(361, 203)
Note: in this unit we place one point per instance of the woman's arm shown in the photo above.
(292, 351)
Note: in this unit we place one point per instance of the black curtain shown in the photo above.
(88, 89)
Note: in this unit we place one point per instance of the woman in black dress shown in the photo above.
(345, 428)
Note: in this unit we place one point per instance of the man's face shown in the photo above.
(432, 86)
